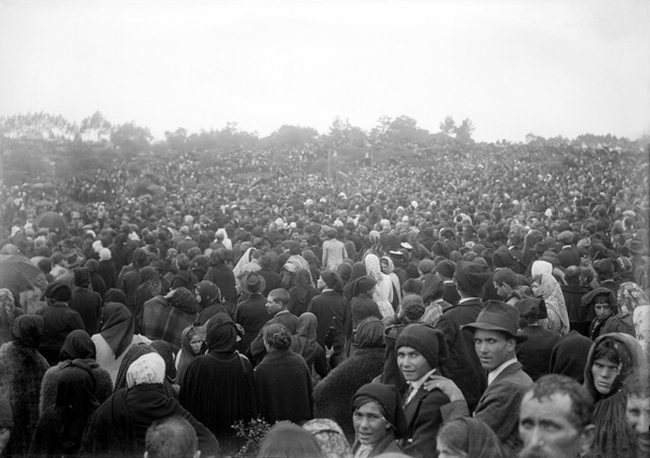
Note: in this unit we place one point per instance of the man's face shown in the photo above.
(602, 308)
(412, 363)
(492, 348)
(638, 418)
(604, 373)
(502, 290)
(546, 429)
(273, 305)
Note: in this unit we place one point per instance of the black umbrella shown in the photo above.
(18, 274)
(51, 220)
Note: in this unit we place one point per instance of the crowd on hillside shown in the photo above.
(417, 306)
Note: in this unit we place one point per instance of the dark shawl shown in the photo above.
(77, 345)
(118, 327)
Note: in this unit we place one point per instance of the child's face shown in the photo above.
(195, 343)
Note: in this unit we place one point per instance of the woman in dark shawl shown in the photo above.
(192, 346)
(362, 306)
(378, 420)
(302, 293)
(283, 380)
(150, 287)
(468, 436)
(115, 295)
(345, 271)
(60, 428)
(165, 350)
(21, 371)
(96, 281)
(304, 343)
(314, 271)
(358, 271)
(78, 346)
(208, 295)
(612, 359)
(221, 274)
(332, 395)
(218, 388)
(199, 266)
(115, 337)
(119, 426)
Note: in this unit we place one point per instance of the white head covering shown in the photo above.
(541, 267)
(147, 369)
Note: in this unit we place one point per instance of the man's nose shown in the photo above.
(643, 425)
(536, 437)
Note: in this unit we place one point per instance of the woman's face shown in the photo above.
(536, 288)
(412, 363)
(384, 267)
(196, 342)
(604, 373)
(370, 426)
(444, 451)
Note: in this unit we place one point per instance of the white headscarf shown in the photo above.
(540, 267)
(147, 369)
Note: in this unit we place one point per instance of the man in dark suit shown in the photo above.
(252, 313)
(276, 305)
(568, 255)
(495, 340)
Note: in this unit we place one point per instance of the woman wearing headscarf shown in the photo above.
(208, 295)
(378, 420)
(220, 273)
(149, 288)
(629, 297)
(165, 350)
(302, 293)
(332, 395)
(314, 269)
(358, 271)
(8, 313)
(60, 428)
(218, 388)
(119, 426)
(96, 281)
(116, 336)
(283, 380)
(362, 305)
(345, 272)
(199, 266)
(21, 371)
(192, 346)
(468, 437)
(602, 302)
(304, 343)
(107, 268)
(388, 268)
(547, 287)
(286, 440)
(612, 359)
(78, 346)
(330, 437)
(383, 292)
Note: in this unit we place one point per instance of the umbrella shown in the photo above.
(43, 203)
(45, 186)
(51, 220)
(18, 274)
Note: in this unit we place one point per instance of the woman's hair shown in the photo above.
(606, 352)
(277, 336)
(455, 436)
(360, 401)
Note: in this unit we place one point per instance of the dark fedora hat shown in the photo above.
(498, 316)
(253, 283)
(637, 246)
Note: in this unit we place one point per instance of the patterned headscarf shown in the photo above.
(630, 296)
(147, 369)
(330, 437)
(373, 267)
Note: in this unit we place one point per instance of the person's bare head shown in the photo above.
(172, 437)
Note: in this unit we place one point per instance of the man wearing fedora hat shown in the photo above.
(277, 306)
(495, 339)
(251, 314)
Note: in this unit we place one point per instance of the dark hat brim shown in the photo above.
(492, 327)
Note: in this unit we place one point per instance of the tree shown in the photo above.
(130, 139)
(95, 128)
(464, 131)
(448, 126)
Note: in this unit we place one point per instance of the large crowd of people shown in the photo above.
(490, 303)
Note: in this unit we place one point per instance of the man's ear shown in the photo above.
(587, 437)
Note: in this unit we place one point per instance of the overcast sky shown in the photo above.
(511, 66)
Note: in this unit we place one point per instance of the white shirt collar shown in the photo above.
(468, 299)
(416, 384)
(495, 373)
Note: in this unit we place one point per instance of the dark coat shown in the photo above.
(284, 388)
(108, 273)
(59, 320)
(361, 307)
(88, 304)
(499, 406)
(569, 356)
(333, 395)
(569, 256)
(387, 445)
(462, 365)
(534, 354)
(21, 372)
(257, 350)
(251, 315)
(326, 306)
(424, 418)
(218, 389)
(223, 276)
(298, 307)
(119, 426)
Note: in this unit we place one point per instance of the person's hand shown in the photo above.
(447, 386)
